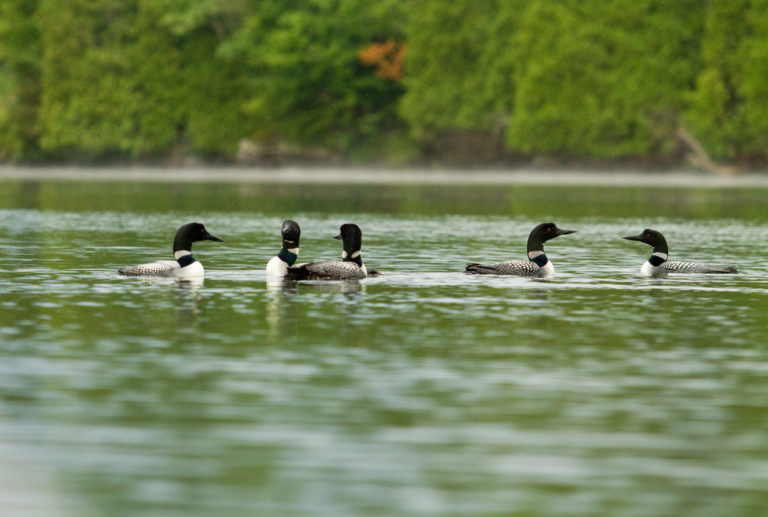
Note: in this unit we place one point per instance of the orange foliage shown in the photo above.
(387, 57)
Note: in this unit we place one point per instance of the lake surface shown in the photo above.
(423, 392)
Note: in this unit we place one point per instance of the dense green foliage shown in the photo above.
(307, 83)
(118, 79)
(603, 82)
(730, 103)
(20, 60)
(616, 79)
(459, 68)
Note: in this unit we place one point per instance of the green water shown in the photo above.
(421, 392)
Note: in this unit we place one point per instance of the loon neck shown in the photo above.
(184, 257)
(657, 258)
(181, 242)
(538, 257)
(660, 246)
(535, 243)
(288, 255)
(355, 256)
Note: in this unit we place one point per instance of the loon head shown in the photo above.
(653, 238)
(291, 233)
(189, 233)
(542, 233)
(352, 238)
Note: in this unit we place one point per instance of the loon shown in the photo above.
(185, 265)
(350, 267)
(657, 264)
(278, 265)
(537, 264)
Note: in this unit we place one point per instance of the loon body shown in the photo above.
(350, 267)
(537, 264)
(277, 267)
(658, 265)
(185, 265)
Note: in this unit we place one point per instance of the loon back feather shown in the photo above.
(693, 267)
(160, 268)
(514, 267)
(326, 270)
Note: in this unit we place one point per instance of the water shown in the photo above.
(421, 392)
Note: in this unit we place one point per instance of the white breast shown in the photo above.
(276, 267)
(648, 269)
(194, 270)
(547, 270)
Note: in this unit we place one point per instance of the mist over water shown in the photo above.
(421, 392)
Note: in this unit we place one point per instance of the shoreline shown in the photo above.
(382, 176)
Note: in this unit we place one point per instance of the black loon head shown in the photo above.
(352, 238)
(189, 233)
(542, 233)
(291, 234)
(652, 237)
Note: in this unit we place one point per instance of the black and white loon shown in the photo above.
(279, 264)
(657, 264)
(350, 267)
(185, 265)
(537, 264)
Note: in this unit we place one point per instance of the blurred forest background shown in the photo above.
(389, 81)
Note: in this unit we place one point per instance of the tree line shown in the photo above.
(389, 81)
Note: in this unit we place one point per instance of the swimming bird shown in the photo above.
(278, 265)
(185, 265)
(537, 264)
(657, 264)
(349, 267)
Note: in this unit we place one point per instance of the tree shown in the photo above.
(603, 80)
(134, 78)
(89, 106)
(459, 71)
(207, 90)
(20, 56)
(308, 85)
(729, 108)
